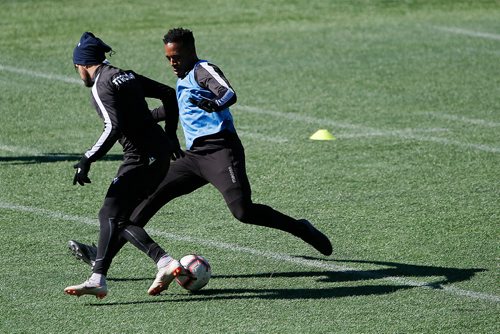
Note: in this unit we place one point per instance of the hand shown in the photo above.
(82, 169)
(177, 152)
(205, 104)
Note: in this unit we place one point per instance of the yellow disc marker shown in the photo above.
(322, 135)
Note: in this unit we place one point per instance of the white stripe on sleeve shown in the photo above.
(229, 94)
(107, 122)
(216, 75)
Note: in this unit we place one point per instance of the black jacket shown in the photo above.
(119, 98)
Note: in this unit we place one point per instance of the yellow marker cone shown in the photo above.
(322, 135)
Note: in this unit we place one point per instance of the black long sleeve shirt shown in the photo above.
(119, 99)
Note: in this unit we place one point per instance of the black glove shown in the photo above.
(82, 169)
(177, 152)
(205, 104)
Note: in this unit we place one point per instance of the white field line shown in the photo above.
(490, 52)
(40, 74)
(361, 131)
(265, 254)
(18, 149)
(364, 131)
(450, 142)
(294, 117)
(261, 137)
(470, 33)
(393, 133)
(462, 119)
(305, 119)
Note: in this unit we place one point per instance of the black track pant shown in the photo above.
(225, 170)
(135, 180)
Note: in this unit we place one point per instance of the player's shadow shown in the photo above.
(50, 157)
(390, 270)
(393, 277)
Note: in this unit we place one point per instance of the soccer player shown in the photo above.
(214, 152)
(119, 99)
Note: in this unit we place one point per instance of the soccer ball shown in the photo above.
(199, 270)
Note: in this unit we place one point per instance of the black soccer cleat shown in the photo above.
(83, 252)
(315, 238)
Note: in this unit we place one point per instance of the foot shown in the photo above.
(87, 288)
(83, 252)
(164, 277)
(315, 238)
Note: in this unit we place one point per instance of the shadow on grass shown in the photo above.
(397, 278)
(392, 270)
(51, 157)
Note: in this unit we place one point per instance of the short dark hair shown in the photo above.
(179, 35)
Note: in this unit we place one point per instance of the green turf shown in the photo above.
(409, 192)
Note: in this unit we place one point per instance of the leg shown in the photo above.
(181, 179)
(134, 181)
(168, 267)
(108, 234)
(225, 169)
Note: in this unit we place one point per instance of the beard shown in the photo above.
(87, 81)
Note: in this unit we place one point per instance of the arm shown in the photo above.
(104, 100)
(168, 111)
(157, 90)
(171, 118)
(211, 77)
(169, 115)
(106, 104)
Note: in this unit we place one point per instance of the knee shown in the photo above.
(242, 211)
(104, 214)
(109, 216)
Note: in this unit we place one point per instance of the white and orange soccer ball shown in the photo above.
(199, 272)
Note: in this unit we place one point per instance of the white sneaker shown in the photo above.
(164, 277)
(87, 288)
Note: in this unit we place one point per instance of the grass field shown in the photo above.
(409, 192)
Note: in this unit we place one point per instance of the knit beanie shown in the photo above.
(90, 50)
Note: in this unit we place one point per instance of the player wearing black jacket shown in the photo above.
(119, 99)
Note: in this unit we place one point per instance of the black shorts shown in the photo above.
(135, 180)
(223, 167)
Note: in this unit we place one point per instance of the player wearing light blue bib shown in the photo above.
(214, 153)
(203, 84)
